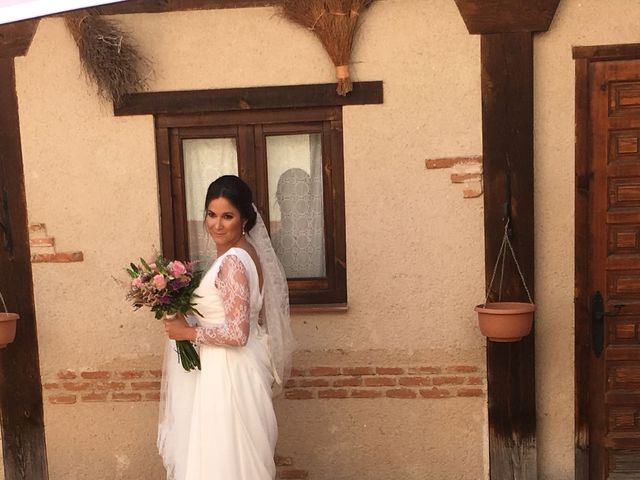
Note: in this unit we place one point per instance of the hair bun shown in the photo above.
(251, 220)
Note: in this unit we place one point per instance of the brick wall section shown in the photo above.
(70, 386)
(323, 382)
(464, 170)
(287, 471)
(405, 382)
(43, 247)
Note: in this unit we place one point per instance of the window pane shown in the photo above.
(296, 213)
(205, 159)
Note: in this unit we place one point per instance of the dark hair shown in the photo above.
(238, 193)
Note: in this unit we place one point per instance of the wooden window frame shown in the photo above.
(316, 104)
(251, 129)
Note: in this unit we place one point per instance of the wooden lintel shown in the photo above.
(504, 16)
(607, 52)
(255, 98)
(21, 413)
(15, 38)
(507, 138)
(159, 6)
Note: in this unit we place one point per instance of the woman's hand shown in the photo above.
(177, 328)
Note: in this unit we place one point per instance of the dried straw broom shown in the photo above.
(335, 23)
(108, 55)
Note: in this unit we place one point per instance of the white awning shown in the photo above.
(14, 10)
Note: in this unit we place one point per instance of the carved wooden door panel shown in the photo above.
(614, 203)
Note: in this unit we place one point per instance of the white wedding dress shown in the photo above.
(219, 423)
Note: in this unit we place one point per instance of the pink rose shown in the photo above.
(177, 268)
(159, 281)
(136, 282)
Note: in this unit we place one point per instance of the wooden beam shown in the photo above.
(15, 38)
(598, 53)
(160, 6)
(504, 16)
(507, 138)
(256, 98)
(23, 441)
(582, 297)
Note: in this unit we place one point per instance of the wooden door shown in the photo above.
(614, 270)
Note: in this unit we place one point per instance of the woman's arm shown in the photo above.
(233, 285)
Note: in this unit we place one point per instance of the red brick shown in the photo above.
(281, 461)
(145, 385)
(67, 374)
(63, 399)
(126, 397)
(324, 371)
(448, 162)
(366, 393)
(127, 374)
(462, 177)
(358, 371)
(313, 382)
(94, 397)
(77, 387)
(152, 396)
(379, 381)
(60, 257)
(95, 375)
(448, 380)
(51, 386)
(462, 369)
(110, 386)
(414, 381)
(42, 241)
(472, 190)
(435, 393)
(333, 393)
(427, 370)
(290, 383)
(298, 394)
(298, 372)
(292, 474)
(156, 373)
(401, 393)
(470, 392)
(37, 227)
(475, 380)
(389, 371)
(347, 382)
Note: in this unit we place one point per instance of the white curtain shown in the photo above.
(204, 160)
(299, 240)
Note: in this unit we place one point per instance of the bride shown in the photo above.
(219, 423)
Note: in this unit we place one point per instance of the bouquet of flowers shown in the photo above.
(166, 288)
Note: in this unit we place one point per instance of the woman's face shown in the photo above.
(224, 223)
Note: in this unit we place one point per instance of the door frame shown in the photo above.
(584, 57)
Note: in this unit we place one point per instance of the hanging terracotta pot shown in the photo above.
(505, 321)
(7, 328)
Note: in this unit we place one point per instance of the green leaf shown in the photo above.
(135, 268)
(145, 264)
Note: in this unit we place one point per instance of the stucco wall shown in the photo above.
(414, 245)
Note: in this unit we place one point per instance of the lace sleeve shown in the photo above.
(233, 285)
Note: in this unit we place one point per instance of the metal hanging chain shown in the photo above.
(4, 304)
(502, 253)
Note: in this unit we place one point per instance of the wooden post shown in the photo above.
(507, 137)
(23, 442)
(506, 28)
